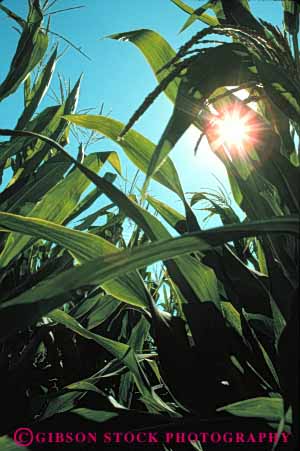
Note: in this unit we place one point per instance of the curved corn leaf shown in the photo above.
(28, 307)
(43, 122)
(147, 222)
(194, 280)
(83, 246)
(270, 409)
(157, 52)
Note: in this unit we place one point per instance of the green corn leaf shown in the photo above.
(261, 258)
(31, 48)
(190, 273)
(38, 91)
(200, 14)
(157, 52)
(136, 342)
(63, 402)
(195, 15)
(32, 189)
(123, 352)
(97, 416)
(280, 87)
(102, 310)
(8, 444)
(28, 307)
(55, 206)
(137, 148)
(13, 16)
(119, 350)
(237, 12)
(48, 123)
(169, 214)
(139, 151)
(270, 409)
(84, 204)
(43, 122)
(27, 90)
(291, 16)
(86, 305)
(55, 129)
(146, 221)
(83, 246)
(260, 350)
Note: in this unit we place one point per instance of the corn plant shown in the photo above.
(90, 334)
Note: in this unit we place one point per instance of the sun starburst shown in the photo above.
(235, 130)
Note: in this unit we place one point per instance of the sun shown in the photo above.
(234, 129)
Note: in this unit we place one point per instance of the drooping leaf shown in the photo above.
(157, 52)
(33, 304)
(83, 246)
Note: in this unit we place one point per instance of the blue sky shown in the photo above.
(118, 75)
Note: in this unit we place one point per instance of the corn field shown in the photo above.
(176, 327)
